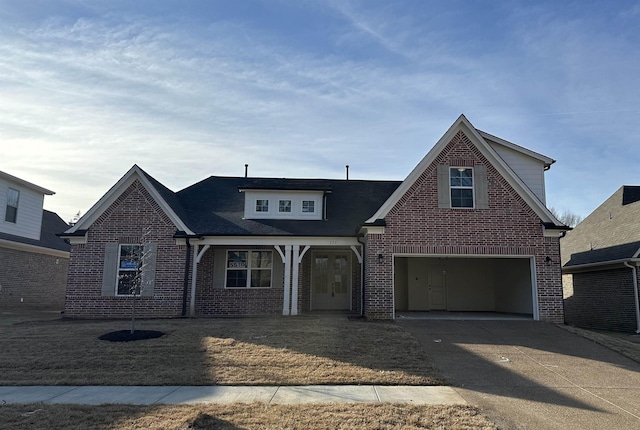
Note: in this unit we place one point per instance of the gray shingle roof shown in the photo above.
(603, 255)
(215, 206)
(52, 224)
(630, 194)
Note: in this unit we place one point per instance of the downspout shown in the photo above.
(362, 272)
(185, 289)
(634, 271)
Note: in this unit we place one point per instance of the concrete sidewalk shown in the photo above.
(145, 395)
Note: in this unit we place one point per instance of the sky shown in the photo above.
(301, 88)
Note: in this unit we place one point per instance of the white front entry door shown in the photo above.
(331, 281)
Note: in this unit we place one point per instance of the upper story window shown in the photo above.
(461, 185)
(129, 270)
(284, 206)
(262, 205)
(11, 213)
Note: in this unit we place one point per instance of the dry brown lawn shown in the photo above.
(248, 351)
(243, 416)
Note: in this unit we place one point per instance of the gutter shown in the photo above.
(578, 267)
(185, 288)
(634, 271)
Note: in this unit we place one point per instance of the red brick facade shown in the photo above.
(33, 280)
(416, 225)
(133, 218)
(601, 299)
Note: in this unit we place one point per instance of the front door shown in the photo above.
(331, 281)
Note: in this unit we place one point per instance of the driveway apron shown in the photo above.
(533, 375)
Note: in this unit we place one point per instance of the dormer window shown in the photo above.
(284, 206)
(262, 205)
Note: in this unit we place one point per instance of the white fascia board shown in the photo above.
(462, 123)
(115, 191)
(27, 184)
(33, 248)
(271, 241)
(546, 160)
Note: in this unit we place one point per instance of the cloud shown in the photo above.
(86, 95)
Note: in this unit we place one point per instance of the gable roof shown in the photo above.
(611, 254)
(162, 195)
(463, 124)
(543, 158)
(215, 206)
(24, 183)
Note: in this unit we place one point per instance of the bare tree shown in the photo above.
(566, 217)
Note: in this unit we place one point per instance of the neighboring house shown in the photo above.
(33, 260)
(467, 230)
(600, 265)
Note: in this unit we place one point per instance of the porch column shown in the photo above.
(197, 256)
(297, 259)
(286, 259)
(294, 286)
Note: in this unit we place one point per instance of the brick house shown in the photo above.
(600, 265)
(33, 260)
(467, 230)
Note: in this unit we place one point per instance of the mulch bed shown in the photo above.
(127, 336)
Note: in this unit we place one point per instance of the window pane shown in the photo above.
(12, 197)
(461, 198)
(466, 178)
(261, 259)
(262, 205)
(11, 214)
(261, 278)
(237, 259)
(128, 282)
(308, 206)
(236, 278)
(285, 206)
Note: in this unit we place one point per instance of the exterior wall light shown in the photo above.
(380, 258)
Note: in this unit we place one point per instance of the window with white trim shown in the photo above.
(308, 206)
(284, 206)
(262, 205)
(249, 269)
(461, 186)
(11, 212)
(129, 270)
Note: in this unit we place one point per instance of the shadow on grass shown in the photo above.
(305, 350)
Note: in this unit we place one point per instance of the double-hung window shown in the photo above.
(11, 213)
(249, 269)
(461, 181)
(129, 270)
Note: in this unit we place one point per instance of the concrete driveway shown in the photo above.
(533, 375)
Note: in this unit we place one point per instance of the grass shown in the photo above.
(249, 351)
(244, 416)
(614, 342)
